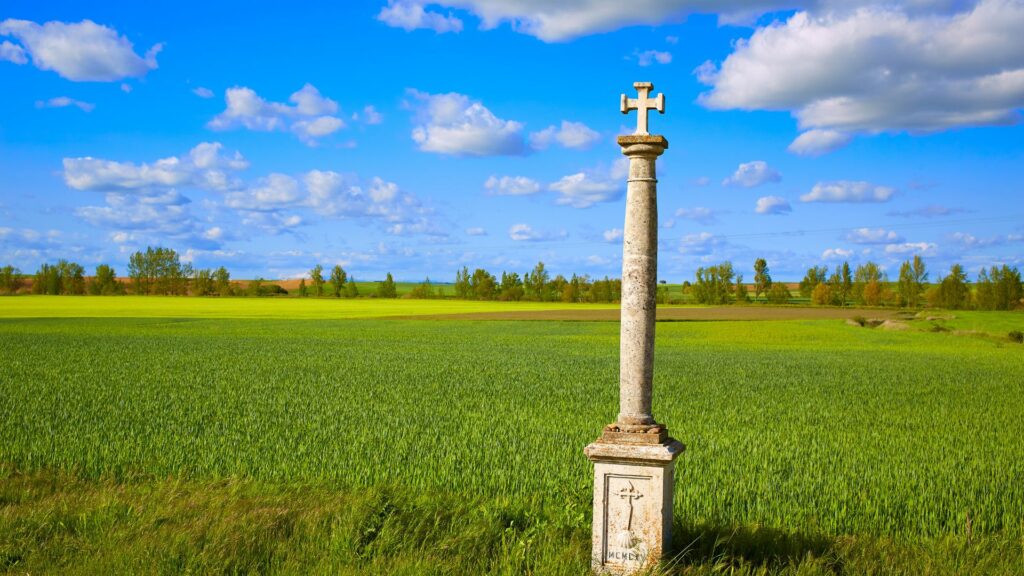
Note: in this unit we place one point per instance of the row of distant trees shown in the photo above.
(160, 271)
(996, 288)
(341, 284)
(155, 271)
(536, 285)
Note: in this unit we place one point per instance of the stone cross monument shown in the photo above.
(634, 457)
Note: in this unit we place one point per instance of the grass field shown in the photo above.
(243, 308)
(191, 435)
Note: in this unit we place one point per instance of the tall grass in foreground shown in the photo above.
(816, 439)
(55, 522)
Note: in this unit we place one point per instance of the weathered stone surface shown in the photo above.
(634, 458)
(642, 104)
(634, 434)
(639, 281)
(653, 140)
(632, 505)
(612, 451)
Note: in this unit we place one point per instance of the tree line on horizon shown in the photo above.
(160, 271)
(996, 288)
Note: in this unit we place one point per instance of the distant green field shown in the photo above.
(814, 436)
(295, 308)
(402, 288)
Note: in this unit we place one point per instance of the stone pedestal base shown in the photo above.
(632, 504)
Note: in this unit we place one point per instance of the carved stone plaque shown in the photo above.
(626, 503)
(632, 505)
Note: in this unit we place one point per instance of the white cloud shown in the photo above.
(702, 243)
(83, 51)
(28, 247)
(272, 222)
(335, 195)
(144, 198)
(64, 102)
(570, 135)
(701, 181)
(411, 15)
(476, 231)
(205, 167)
(370, 115)
(753, 174)
(511, 186)
(922, 248)
(126, 88)
(203, 92)
(917, 67)
(648, 57)
(584, 189)
(30, 238)
(613, 236)
(381, 191)
(970, 241)
(274, 203)
(159, 215)
(526, 233)
(873, 236)
(274, 192)
(772, 205)
(454, 124)
(699, 214)
(310, 116)
(568, 19)
(817, 142)
(309, 130)
(848, 191)
(836, 254)
(12, 53)
(207, 155)
(309, 102)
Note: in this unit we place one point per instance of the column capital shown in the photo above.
(642, 144)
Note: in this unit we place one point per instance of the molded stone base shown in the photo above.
(632, 504)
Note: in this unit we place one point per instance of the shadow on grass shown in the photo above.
(731, 547)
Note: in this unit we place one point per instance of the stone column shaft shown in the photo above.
(634, 458)
(639, 281)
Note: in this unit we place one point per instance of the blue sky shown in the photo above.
(418, 137)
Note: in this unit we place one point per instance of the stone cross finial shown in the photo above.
(642, 105)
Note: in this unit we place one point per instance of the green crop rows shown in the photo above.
(814, 426)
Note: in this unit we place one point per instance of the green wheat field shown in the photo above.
(181, 435)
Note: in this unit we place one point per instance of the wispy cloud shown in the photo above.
(932, 211)
(848, 191)
(527, 233)
(64, 102)
(511, 186)
(753, 174)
